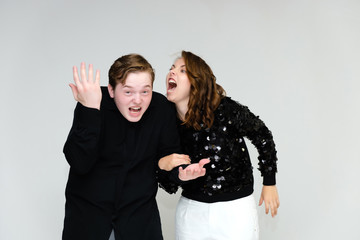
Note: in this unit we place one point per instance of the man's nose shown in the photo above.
(137, 98)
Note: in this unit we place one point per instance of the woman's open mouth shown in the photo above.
(172, 84)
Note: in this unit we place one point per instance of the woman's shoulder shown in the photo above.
(228, 104)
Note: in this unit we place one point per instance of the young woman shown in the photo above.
(219, 205)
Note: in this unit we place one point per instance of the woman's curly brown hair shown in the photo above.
(205, 93)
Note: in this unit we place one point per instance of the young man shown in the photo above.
(118, 135)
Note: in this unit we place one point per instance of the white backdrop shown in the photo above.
(295, 63)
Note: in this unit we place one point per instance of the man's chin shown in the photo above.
(134, 117)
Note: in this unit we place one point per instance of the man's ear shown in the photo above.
(111, 91)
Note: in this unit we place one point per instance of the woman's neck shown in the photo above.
(182, 109)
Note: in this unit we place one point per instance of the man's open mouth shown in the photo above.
(135, 109)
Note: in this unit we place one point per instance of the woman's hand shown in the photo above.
(193, 171)
(85, 90)
(270, 196)
(170, 161)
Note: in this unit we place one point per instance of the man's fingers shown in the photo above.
(76, 76)
(83, 73)
(97, 77)
(91, 73)
(84, 79)
(183, 156)
(178, 158)
(74, 91)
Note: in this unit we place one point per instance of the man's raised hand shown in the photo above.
(85, 90)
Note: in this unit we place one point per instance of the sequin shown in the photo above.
(222, 178)
(230, 169)
(216, 186)
(196, 136)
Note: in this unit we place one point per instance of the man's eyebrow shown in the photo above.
(146, 86)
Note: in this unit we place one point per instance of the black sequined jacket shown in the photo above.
(229, 174)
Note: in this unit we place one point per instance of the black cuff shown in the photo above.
(269, 180)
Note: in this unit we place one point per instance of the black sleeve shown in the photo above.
(81, 146)
(169, 144)
(261, 137)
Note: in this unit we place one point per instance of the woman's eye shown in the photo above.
(183, 71)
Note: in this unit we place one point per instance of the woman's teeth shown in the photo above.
(172, 84)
